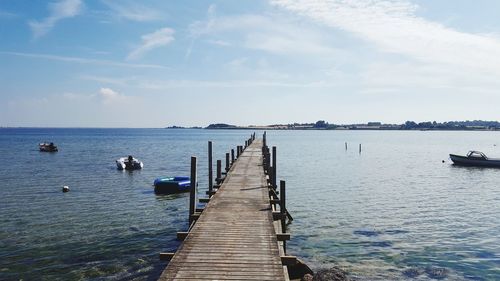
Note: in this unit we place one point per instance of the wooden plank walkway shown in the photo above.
(234, 238)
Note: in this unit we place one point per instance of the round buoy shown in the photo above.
(65, 188)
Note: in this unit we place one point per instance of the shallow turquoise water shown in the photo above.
(393, 212)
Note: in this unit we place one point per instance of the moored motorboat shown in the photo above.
(170, 185)
(47, 147)
(129, 163)
(475, 158)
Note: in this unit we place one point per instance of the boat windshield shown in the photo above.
(476, 154)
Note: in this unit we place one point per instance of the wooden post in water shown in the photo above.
(283, 210)
(237, 152)
(210, 168)
(359, 148)
(232, 156)
(274, 167)
(264, 139)
(345, 145)
(192, 190)
(219, 172)
(227, 162)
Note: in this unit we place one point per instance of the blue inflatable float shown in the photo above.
(170, 185)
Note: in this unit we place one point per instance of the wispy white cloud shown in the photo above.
(273, 34)
(159, 38)
(237, 62)
(203, 84)
(198, 28)
(133, 11)
(83, 60)
(394, 27)
(7, 15)
(109, 96)
(219, 43)
(105, 96)
(106, 80)
(58, 11)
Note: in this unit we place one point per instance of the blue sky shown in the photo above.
(104, 63)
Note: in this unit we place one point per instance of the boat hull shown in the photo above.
(467, 161)
(45, 147)
(172, 185)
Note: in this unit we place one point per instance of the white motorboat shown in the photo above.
(129, 163)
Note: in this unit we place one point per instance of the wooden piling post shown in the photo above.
(264, 139)
(227, 162)
(274, 167)
(237, 152)
(210, 168)
(359, 148)
(219, 172)
(283, 210)
(192, 190)
(232, 156)
(345, 145)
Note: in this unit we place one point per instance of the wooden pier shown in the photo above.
(239, 234)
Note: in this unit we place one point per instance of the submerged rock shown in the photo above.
(307, 277)
(437, 272)
(412, 272)
(332, 274)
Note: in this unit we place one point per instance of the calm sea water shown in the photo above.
(393, 212)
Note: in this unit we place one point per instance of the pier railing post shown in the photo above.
(268, 164)
(237, 152)
(274, 168)
(192, 190)
(227, 162)
(210, 168)
(282, 205)
(283, 210)
(219, 172)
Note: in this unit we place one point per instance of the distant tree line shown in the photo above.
(408, 125)
(450, 125)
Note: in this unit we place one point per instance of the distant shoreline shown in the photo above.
(347, 129)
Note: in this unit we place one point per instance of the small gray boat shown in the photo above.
(475, 158)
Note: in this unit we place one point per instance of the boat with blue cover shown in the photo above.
(170, 185)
